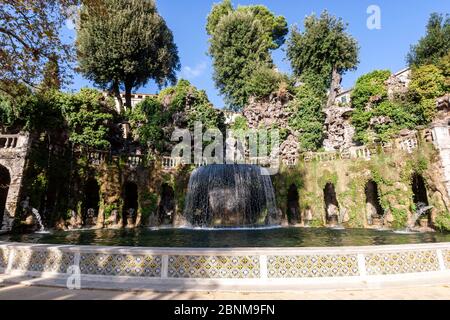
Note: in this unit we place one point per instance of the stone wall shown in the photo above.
(13, 156)
(339, 131)
(149, 176)
(273, 113)
(391, 170)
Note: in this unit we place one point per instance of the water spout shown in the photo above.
(38, 219)
(421, 210)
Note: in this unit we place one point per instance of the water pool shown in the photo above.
(235, 238)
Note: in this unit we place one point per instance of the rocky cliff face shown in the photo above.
(273, 113)
(338, 130)
(397, 84)
(267, 113)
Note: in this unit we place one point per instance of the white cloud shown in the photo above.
(194, 72)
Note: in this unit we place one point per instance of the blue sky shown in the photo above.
(402, 24)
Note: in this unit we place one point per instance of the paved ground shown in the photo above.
(23, 292)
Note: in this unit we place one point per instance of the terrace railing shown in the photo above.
(408, 144)
(13, 141)
(96, 157)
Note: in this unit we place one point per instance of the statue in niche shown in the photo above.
(130, 218)
(74, 222)
(113, 218)
(91, 219)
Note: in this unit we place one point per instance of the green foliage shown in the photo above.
(24, 110)
(399, 117)
(416, 107)
(29, 37)
(237, 48)
(108, 209)
(434, 45)
(149, 118)
(184, 97)
(16, 109)
(87, 114)
(361, 121)
(308, 118)
(240, 124)
(444, 65)
(264, 81)
(327, 177)
(148, 203)
(218, 11)
(125, 43)
(275, 27)
(369, 98)
(323, 46)
(154, 118)
(240, 43)
(428, 82)
(370, 85)
(443, 221)
(316, 54)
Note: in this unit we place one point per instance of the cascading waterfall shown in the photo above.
(231, 196)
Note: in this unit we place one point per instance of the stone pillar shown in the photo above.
(441, 139)
(14, 160)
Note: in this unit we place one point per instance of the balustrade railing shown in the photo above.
(171, 163)
(135, 160)
(98, 157)
(12, 141)
(408, 144)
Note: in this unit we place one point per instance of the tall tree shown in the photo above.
(29, 38)
(240, 42)
(434, 45)
(124, 44)
(51, 78)
(323, 49)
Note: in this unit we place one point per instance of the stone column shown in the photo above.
(14, 160)
(441, 139)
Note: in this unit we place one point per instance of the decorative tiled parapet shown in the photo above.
(120, 265)
(385, 263)
(235, 267)
(4, 253)
(312, 266)
(446, 254)
(42, 260)
(180, 265)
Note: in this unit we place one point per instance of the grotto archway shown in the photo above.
(91, 203)
(5, 181)
(419, 189)
(420, 195)
(374, 210)
(293, 209)
(166, 208)
(331, 204)
(130, 203)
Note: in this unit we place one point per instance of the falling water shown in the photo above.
(38, 218)
(231, 196)
(422, 209)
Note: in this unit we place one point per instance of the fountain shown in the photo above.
(38, 219)
(422, 209)
(26, 206)
(231, 196)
